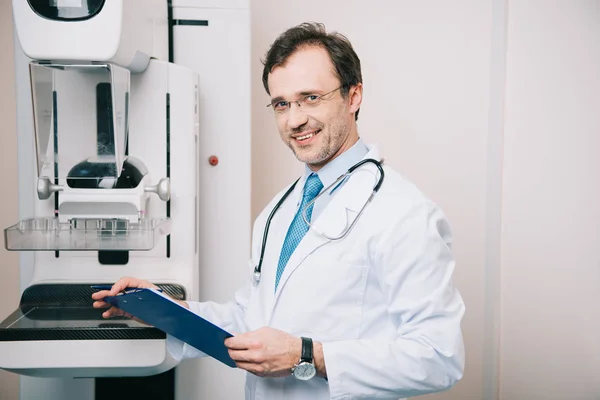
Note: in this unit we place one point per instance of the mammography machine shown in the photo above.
(135, 162)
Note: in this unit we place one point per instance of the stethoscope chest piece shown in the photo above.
(256, 276)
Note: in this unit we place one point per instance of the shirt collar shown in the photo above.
(340, 165)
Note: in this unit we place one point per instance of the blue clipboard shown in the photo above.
(158, 310)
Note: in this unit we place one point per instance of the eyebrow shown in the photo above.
(302, 93)
(307, 92)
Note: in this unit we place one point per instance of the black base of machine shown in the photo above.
(64, 312)
(157, 387)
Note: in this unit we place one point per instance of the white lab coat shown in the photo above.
(381, 300)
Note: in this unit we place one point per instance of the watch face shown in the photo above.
(304, 371)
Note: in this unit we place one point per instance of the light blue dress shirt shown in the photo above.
(332, 170)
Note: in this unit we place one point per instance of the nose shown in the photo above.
(296, 116)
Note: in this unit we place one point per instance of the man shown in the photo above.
(372, 314)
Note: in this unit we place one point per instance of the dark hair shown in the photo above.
(345, 60)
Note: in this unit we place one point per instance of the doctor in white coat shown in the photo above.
(373, 315)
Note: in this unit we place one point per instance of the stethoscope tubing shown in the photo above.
(258, 268)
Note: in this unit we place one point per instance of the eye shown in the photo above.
(280, 105)
(312, 98)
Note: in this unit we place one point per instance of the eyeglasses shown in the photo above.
(307, 102)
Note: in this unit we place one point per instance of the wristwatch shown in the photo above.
(305, 369)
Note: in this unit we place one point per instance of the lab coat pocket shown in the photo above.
(334, 304)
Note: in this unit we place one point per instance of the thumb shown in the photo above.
(124, 283)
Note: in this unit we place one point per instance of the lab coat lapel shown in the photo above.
(334, 216)
(275, 240)
(333, 220)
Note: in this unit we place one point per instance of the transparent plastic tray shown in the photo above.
(85, 234)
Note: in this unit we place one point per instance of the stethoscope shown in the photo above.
(258, 268)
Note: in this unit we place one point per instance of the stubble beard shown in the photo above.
(330, 139)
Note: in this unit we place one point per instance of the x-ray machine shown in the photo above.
(134, 160)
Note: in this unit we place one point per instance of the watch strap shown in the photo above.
(307, 350)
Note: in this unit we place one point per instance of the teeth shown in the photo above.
(305, 137)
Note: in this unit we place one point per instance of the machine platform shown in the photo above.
(89, 234)
(56, 332)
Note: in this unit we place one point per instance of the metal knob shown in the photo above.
(45, 188)
(162, 189)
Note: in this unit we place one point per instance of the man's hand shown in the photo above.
(265, 352)
(121, 285)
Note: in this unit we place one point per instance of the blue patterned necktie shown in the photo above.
(298, 227)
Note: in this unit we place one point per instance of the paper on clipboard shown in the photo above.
(162, 312)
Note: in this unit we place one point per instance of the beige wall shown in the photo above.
(550, 329)
(9, 262)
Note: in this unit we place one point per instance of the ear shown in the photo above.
(355, 96)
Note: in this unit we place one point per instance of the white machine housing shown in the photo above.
(176, 123)
(124, 32)
(130, 357)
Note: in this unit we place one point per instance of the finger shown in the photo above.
(237, 343)
(113, 312)
(244, 341)
(100, 304)
(99, 295)
(108, 313)
(241, 355)
(252, 356)
(230, 340)
(123, 284)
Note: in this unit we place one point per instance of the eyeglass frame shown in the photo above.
(289, 106)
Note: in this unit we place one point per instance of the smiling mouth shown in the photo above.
(308, 136)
